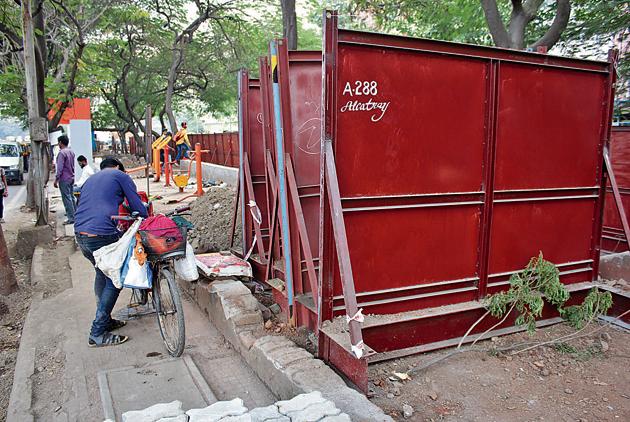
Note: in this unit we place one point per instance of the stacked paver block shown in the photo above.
(302, 408)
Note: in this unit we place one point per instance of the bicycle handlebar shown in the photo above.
(134, 216)
(178, 210)
(123, 218)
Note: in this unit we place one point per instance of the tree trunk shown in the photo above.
(8, 282)
(41, 53)
(522, 14)
(179, 50)
(178, 58)
(161, 116)
(289, 23)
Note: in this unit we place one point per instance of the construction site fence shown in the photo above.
(223, 148)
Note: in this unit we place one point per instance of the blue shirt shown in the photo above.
(101, 195)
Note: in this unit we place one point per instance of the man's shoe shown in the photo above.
(67, 222)
(107, 339)
(2, 221)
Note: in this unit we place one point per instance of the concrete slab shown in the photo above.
(59, 372)
(136, 388)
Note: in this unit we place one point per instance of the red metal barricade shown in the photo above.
(253, 174)
(438, 171)
(447, 167)
(299, 76)
(222, 147)
(613, 238)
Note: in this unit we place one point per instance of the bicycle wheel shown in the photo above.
(169, 311)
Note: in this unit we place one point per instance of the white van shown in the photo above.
(11, 161)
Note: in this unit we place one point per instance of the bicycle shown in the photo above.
(164, 293)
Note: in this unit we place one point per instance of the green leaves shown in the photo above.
(540, 282)
(594, 304)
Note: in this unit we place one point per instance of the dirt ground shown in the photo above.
(13, 310)
(587, 379)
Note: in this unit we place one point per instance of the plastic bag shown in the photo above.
(133, 274)
(186, 268)
(110, 258)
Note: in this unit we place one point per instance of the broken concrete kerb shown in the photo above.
(285, 368)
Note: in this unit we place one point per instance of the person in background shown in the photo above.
(181, 142)
(87, 171)
(4, 192)
(64, 179)
(101, 195)
(26, 152)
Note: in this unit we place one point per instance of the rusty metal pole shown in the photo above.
(198, 169)
(8, 282)
(167, 166)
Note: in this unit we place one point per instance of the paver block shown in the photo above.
(226, 288)
(277, 343)
(238, 305)
(248, 318)
(315, 412)
(217, 411)
(155, 412)
(283, 360)
(300, 402)
(243, 418)
(181, 418)
(261, 414)
(247, 339)
(337, 418)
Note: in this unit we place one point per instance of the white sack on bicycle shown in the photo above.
(133, 274)
(186, 268)
(110, 258)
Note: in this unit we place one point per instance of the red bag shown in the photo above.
(123, 209)
(161, 235)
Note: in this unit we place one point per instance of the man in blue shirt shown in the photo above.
(101, 195)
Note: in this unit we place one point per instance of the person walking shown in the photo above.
(64, 179)
(101, 195)
(4, 192)
(181, 142)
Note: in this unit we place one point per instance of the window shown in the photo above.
(8, 150)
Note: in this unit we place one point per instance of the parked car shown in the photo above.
(11, 161)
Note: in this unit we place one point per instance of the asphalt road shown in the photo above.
(17, 198)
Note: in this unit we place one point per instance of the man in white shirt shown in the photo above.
(87, 171)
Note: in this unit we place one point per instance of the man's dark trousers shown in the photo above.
(68, 199)
(105, 291)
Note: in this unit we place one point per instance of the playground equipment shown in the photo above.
(158, 146)
(182, 178)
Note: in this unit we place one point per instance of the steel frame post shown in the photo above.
(617, 195)
(252, 197)
(274, 247)
(326, 238)
(606, 128)
(242, 106)
(343, 254)
(282, 188)
(303, 235)
(488, 183)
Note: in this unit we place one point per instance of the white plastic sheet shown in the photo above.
(110, 258)
(186, 268)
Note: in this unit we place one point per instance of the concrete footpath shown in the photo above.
(57, 375)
